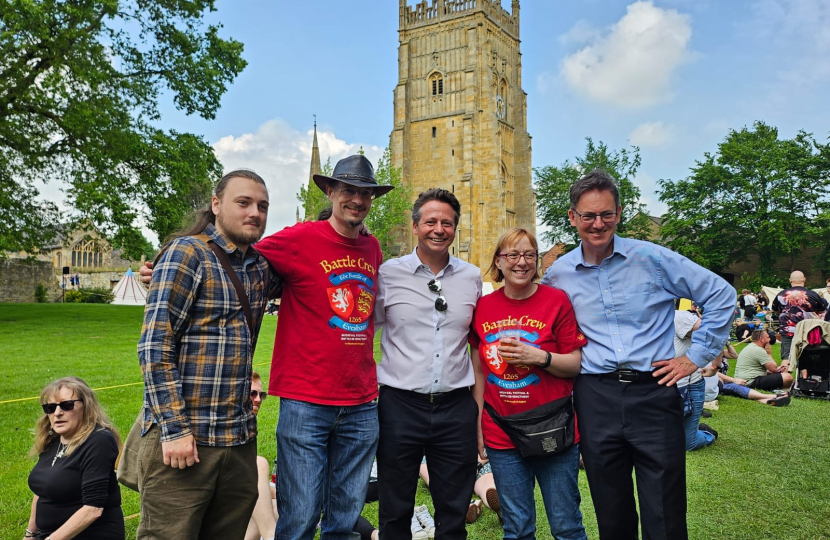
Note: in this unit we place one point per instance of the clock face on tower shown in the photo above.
(501, 107)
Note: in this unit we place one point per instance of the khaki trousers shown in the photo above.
(213, 499)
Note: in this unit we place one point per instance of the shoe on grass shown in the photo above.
(426, 521)
(781, 400)
(706, 414)
(418, 532)
(708, 429)
(493, 502)
(474, 511)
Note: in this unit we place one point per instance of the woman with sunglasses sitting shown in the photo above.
(76, 493)
(526, 351)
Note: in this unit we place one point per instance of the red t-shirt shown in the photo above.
(545, 320)
(324, 343)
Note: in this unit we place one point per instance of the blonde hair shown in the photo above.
(511, 238)
(93, 414)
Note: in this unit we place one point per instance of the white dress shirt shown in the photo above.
(423, 349)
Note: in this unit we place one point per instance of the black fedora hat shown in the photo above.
(356, 171)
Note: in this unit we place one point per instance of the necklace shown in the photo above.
(60, 453)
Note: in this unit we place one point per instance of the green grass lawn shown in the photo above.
(767, 476)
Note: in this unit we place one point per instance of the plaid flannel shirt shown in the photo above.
(195, 348)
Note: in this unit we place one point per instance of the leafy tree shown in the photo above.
(312, 198)
(553, 185)
(390, 212)
(81, 81)
(758, 195)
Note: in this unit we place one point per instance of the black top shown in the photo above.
(86, 477)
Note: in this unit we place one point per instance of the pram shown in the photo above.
(812, 362)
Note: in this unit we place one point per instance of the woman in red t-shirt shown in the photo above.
(526, 351)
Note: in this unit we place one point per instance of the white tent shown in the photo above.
(129, 291)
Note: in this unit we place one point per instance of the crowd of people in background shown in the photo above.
(482, 396)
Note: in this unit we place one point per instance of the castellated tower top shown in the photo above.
(424, 13)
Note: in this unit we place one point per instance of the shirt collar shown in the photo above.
(415, 262)
(229, 247)
(619, 249)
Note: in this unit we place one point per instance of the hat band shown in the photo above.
(354, 177)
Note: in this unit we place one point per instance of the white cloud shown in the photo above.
(581, 32)
(652, 134)
(282, 156)
(633, 65)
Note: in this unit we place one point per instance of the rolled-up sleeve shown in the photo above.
(686, 279)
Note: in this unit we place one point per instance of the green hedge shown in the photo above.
(89, 295)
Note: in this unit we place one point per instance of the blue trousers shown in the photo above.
(324, 458)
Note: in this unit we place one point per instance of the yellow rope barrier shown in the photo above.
(97, 389)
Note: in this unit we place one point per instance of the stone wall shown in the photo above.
(19, 278)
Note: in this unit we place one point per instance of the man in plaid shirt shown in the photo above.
(198, 450)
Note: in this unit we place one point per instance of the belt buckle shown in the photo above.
(432, 398)
(626, 376)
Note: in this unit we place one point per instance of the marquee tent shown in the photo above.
(129, 291)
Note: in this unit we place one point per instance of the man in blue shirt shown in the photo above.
(630, 415)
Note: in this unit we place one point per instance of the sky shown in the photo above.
(669, 76)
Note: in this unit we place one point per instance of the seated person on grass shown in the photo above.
(733, 386)
(756, 366)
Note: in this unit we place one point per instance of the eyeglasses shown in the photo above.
(606, 217)
(529, 256)
(350, 193)
(262, 395)
(440, 302)
(66, 406)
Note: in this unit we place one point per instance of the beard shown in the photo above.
(239, 236)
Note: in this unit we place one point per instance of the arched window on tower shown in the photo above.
(436, 84)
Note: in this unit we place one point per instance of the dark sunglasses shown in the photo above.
(440, 302)
(68, 405)
(262, 395)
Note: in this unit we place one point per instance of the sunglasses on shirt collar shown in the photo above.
(440, 302)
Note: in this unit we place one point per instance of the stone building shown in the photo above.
(460, 117)
(85, 251)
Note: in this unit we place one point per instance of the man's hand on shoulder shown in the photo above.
(146, 273)
(673, 370)
(180, 453)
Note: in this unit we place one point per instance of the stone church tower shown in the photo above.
(461, 117)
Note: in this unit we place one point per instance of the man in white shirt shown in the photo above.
(425, 305)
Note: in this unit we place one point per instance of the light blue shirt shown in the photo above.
(625, 305)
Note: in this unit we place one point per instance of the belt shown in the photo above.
(437, 396)
(629, 376)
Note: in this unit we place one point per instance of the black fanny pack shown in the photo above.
(545, 430)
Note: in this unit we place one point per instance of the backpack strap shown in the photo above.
(226, 264)
(240, 290)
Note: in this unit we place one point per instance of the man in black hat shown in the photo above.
(323, 368)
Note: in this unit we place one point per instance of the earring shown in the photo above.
(51, 432)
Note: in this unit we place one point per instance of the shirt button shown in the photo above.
(619, 350)
(436, 380)
(615, 333)
(606, 290)
(437, 355)
(608, 312)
